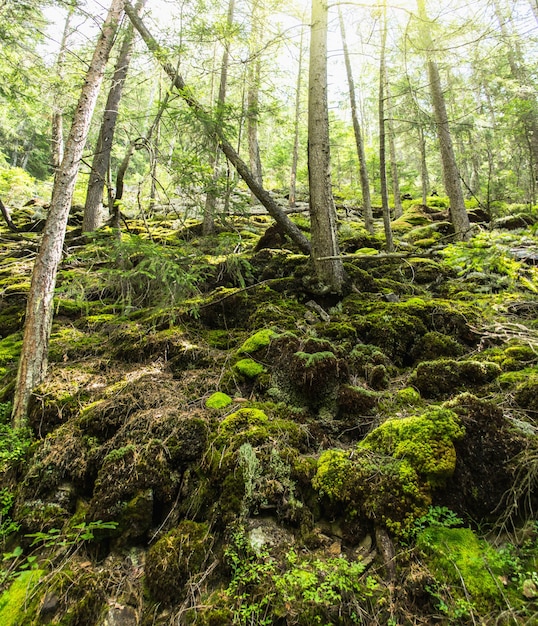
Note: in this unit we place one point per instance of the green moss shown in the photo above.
(249, 368)
(174, 559)
(218, 400)
(313, 359)
(15, 600)
(407, 396)
(426, 442)
(458, 557)
(256, 342)
(10, 348)
(444, 376)
(434, 345)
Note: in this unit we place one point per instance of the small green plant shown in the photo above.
(56, 538)
(14, 442)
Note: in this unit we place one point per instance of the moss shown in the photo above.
(356, 400)
(426, 442)
(444, 376)
(526, 396)
(10, 348)
(412, 217)
(218, 400)
(174, 559)
(16, 600)
(458, 556)
(434, 345)
(249, 368)
(380, 488)
(256, 342)
(407, 396)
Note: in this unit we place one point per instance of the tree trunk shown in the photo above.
(101, 160)
(382, 138)
(39, 308)
(214, 131)
(253, 93)
(208, 226)
(363, 170)
(424, 176)
(394, 174)
(325, 252)
(296, 126)
(458, 213)
(451, 176)
(57, 110)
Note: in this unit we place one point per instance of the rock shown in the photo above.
(120, 615)
(530, 589)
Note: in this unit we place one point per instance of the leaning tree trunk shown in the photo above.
(101, 161)
(214, 131)
(357, 130)
(382, 139)
(325, 252)
(39, 308)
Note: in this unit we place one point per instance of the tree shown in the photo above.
(325, 251)
(363, 170)
(211, 198)
(101, 160)
(451, 176)
(39, 308)
(215, 132)
(382, 135)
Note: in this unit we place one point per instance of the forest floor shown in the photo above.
(220, 442)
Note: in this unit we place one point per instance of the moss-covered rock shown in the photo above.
(249, 368)
(176, 558)
(218, 400)
(441, 377)
(434, 345)
(256, 342)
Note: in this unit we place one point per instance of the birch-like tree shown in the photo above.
(39, 308)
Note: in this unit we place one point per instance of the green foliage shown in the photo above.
(71, 536)
(14, 442)
(302, 590)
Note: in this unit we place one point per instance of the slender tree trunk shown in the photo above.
(101, 160)
(296, 126)
(253, 94)
(57, 109)
(325, 250)
(363, 170)
(214, 131)
(39, 308)
(451, 176)
(424, 176)
(382, 138)
(208, 226)
(394, 174)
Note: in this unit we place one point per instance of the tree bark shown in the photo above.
(329, 271)
(394, 174)
(363, 170)
(295, 150)
(208, 226)
(382, 138)
(57, 110)
(214, 131)
(451, 176)
(39, 308)
(101, 161)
